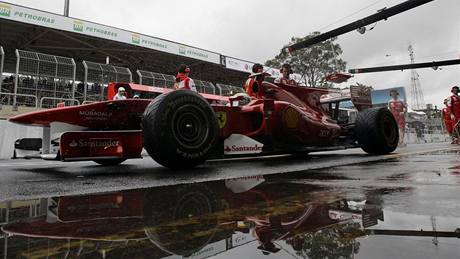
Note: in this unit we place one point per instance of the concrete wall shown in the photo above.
(9, 132)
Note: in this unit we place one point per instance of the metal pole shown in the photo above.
(381, 15)
(73, 78)
(130, 76)
(86, 81)
(140, 76)
(434, 65)
(16, 79)
(66, 7)
(2, 59)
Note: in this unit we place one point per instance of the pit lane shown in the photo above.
(27, 179)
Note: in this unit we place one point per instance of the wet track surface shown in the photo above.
(330, 205)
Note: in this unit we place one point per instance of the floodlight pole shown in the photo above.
(66, 7)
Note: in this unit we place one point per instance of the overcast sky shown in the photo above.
(256, 30)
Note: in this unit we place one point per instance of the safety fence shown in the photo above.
(47, 77)
(45, 81)
(205, 87)
(155, 79)
(167, 81)
(97, 78)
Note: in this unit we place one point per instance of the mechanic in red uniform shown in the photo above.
(455, 114)
(253, 85)
(446, 118)
(183, 81)
(285, 71)
(398, 108)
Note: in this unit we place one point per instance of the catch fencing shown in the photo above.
(97, 78)
(51, 79)
(156, 79)
(205, 87)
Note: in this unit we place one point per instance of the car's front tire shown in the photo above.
(180, 129)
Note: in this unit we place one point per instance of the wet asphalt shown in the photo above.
(34, 178)
(342, 204)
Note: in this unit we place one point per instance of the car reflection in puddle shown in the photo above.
(196, 220)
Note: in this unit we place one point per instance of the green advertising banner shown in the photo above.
(59, 22)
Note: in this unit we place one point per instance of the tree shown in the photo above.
(313, 63)
(336, 242)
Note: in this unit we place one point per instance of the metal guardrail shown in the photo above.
(74, 101)
(14, 102)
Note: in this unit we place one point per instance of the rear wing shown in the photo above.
(361, 96)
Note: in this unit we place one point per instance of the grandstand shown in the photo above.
(48, 58)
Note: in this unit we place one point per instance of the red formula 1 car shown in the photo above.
(182, 129)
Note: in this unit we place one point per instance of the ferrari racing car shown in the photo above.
(182, 129)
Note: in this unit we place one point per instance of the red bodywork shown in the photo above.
(290, 116)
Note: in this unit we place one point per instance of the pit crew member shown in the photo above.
(455, 113)
(253, 85)
(398, 108)
(446, 118)
(285, 71)
(183, 81)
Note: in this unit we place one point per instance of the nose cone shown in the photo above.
(38, 118)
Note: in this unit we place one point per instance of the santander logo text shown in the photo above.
(240, 144)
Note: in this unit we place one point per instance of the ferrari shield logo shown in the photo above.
(221, 119)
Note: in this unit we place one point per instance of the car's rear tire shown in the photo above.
(377, 131)
(109, 162)
(180, 129)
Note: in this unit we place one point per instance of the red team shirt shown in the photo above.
(455, 104)
(396, 108)
(447, 120)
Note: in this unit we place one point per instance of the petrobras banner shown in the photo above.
(59, 22)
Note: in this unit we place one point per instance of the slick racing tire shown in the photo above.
(109, 162)
(377, 131)
(180, 129)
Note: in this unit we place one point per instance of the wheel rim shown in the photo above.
(190, 126)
